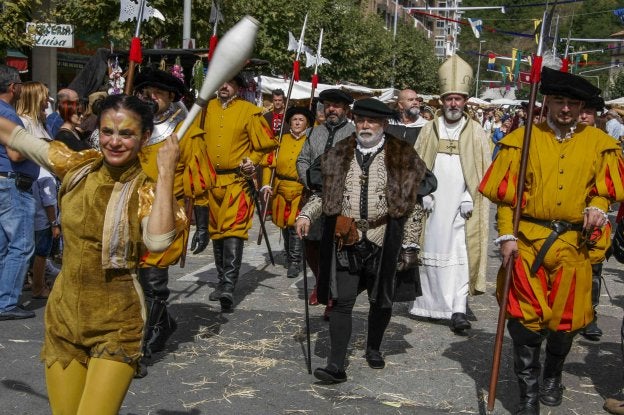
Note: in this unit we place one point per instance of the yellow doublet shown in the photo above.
(561, 180)
(287, 189)
(233, 133)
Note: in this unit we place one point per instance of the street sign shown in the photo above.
(51, 35)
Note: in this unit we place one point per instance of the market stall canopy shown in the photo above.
(617, 101)
(17, 60)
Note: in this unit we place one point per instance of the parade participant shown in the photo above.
(410, 122)
(454, 252)
(112, 212)
(17, 207)
(370, 183)
(237, 138)
(597, 252)
(275, 117)
(574, 172)
(323, 137)
(161, 90)
(286, 188)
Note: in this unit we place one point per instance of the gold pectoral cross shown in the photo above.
(452, 146)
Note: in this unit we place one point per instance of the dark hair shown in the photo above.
(279, 92)
(68, 108)
(8, 76)
(130, 103)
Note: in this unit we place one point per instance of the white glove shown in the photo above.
(465, 209)
(428, 203)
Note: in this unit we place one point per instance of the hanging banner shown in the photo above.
(51, 35)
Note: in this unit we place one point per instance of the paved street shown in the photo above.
(253, 360)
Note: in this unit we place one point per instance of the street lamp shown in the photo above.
(481, 42)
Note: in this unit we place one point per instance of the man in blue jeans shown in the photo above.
(17, 207)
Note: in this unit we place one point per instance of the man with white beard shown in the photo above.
(454, 250)
(372, 218)
(408, 126)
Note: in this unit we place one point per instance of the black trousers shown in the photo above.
(351, 281)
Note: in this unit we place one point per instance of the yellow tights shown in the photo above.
(98, 388)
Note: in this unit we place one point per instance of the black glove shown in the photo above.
(200, 241)
(408, 259)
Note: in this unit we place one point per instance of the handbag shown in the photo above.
(345, 231)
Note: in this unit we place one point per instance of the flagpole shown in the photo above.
(135, 55)
(315, 75)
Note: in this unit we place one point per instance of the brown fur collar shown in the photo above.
(405, 172)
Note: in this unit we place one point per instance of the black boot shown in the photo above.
(526, 352)
(232, 257)
(592, 331)
(294, 254)
(558, 345)
(286, 238)
(160, 325)
(217, 249)
(200, 237)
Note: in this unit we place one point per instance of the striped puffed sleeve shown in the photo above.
(609, 185)
(261, 137)
(500, 181)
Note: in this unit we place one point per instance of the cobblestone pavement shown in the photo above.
(253, 360)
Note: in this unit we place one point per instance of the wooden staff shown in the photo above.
(502, 312)
(135, 56)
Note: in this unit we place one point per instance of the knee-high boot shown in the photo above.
(558, 345)
(232, 258)
(592, 331)
(160, 325)
(200, 237)
(294, 254)
(526, 352)
(286, 239)
(217, 249)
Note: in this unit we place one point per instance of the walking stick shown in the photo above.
(305, 301)
(500, 327)
(293, 77)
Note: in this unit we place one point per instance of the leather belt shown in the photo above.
(364, 225)
(292, 179)
(448, 146)
(558, 227)
(228, 171)
(8, 174)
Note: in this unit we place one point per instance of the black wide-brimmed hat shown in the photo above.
(567, 85)
(300, 110)
(374, 108)
(596, 103)
(161, 80)
(335, 95)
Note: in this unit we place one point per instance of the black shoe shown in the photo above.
(328, 375)
(16, 314)
(227, 302)
(293, 270)
(374, 359)
(528, 408)
(592, 332)
(459, 322)
(141, 371)
(215, 295)
(160, 335)
(551, 392)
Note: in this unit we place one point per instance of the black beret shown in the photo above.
(300, 110)
(374, 108)
(161, 80)
(335, 95)
(596, 102)
(566, 85)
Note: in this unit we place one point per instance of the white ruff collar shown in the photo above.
(371, 150)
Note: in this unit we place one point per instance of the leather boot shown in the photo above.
(558, 345)
(286, 238)
(592, 331)
(232, 257)
(217, 249)
(160, 325)
(294, 253)
(526, 352)
(312, 252)
(200, 237)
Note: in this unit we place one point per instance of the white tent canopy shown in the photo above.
(617, 101)
(303, 89)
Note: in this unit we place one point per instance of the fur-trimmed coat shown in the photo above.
(404, 173)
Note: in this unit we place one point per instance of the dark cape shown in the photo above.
(405, 170)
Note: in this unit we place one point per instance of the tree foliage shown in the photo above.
(617, 87)
(13, 17)
(360, 48)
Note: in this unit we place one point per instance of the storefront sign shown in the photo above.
(51, 35)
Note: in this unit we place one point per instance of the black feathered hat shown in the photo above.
(566, 85)
(161, 80)
(300, 110)
(374, 108)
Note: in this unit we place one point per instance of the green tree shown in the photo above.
(13, 17)
(616, 89)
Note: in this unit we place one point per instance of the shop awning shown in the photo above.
(17, 60)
